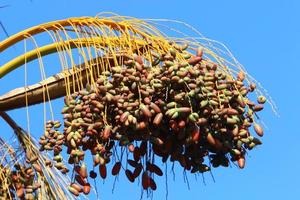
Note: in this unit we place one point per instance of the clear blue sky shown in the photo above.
(265, 38)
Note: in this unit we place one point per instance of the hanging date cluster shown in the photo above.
(174, 106)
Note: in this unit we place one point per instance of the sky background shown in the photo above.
(264, 37)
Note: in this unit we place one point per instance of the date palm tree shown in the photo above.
(86, 47)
